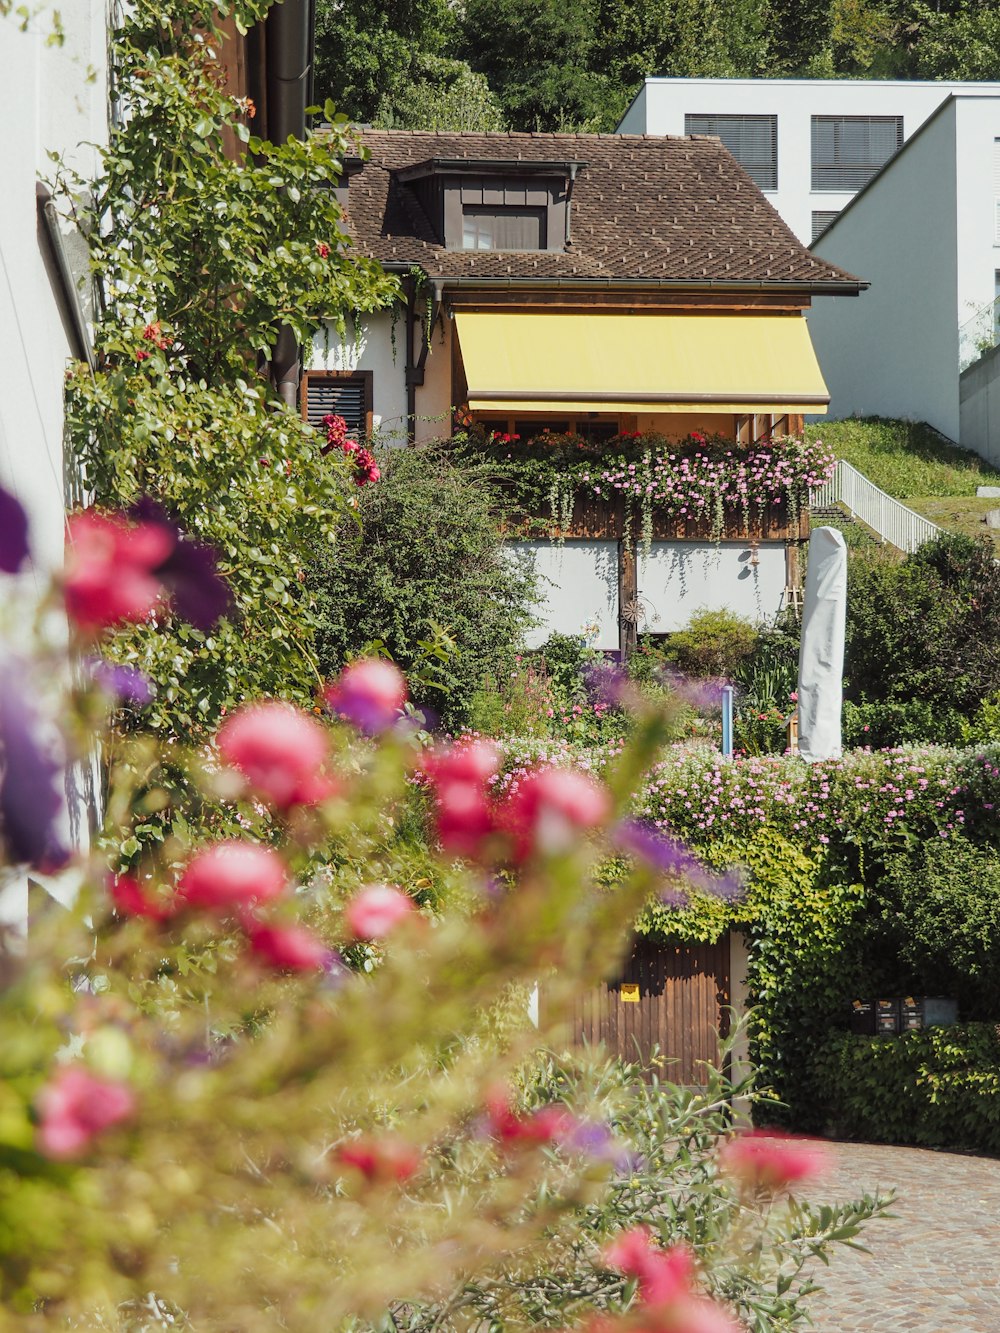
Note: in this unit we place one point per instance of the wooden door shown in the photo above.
(680, 991)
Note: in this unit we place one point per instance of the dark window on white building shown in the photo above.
(752, 140)
(847, 151)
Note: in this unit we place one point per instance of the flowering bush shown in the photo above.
(206, 1109)
(696, 479)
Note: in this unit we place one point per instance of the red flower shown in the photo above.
(668, 1299)
(377, 910)
(129, 900)
(545, 1125)
(322, 249)
(233, 874)
(383, 1158)
(109, 574)
(756, 1158)
(289, 948)
(75, 1107)
(461, 776)
(281, 752)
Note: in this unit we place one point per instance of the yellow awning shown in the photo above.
(596, 362)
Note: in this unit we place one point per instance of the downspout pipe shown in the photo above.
(288, 43)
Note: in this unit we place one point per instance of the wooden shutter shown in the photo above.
(340, 393)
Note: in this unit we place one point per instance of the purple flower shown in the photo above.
(13, 533)
(663, 853)
(594, 1139)
(200, 593)
(126, 685)
(31, 801)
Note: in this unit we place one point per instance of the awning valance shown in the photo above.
(595, 362)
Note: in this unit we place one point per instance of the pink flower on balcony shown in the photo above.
(75, 1107)
(377, 910)
(231, 875)
(280, 751)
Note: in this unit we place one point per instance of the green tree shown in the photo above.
(201, 257)
(367, 55)
(426, 556)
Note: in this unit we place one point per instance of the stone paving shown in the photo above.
(935, 1266)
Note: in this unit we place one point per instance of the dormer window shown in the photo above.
(503, 228)
(497, 204)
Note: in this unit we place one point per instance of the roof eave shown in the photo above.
(831, 287)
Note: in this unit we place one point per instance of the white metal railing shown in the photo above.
(892, 521)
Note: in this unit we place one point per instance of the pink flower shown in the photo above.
(668, 1300)
(129, 899)
(109, 572)
(544, 1125)
(289, 948)
(549, 809)
(280, 751)
(369, 693)
(233, 874)
(758, 1159)
(75, 1107)
(383, 1158)
(376, 910)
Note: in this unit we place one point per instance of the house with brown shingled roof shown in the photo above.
(586, 283)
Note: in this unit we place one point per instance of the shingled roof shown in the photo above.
(645, 207)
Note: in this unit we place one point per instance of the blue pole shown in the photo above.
(727, 721)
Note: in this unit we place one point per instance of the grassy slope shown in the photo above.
(909, 460)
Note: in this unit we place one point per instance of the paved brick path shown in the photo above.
(935, 1267)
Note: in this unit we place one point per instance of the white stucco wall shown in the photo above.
(893, 350)
(578, 583)
(977, 126)
(370, 347)
(51, 98)
(678, 578)
(662, 104)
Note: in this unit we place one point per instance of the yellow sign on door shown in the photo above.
(630, 992)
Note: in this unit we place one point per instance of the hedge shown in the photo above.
(939, 1087)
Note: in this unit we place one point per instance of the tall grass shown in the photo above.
(905, 459)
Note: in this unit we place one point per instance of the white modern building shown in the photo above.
(925, 232)
(810, 144)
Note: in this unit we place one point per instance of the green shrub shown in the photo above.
(424, 556)
(943, 898)
(939, 1087)
(715, 643)
(900, 722)
(925, 628)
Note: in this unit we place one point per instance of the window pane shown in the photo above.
(503, 228)
(528, 430)
(752, 140)
(847, 151)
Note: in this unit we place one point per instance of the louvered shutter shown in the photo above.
(847, 151)
(821, 220)
(337, 395)
(752, 140)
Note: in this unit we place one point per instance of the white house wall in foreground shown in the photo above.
(679, 578)
(578, 582)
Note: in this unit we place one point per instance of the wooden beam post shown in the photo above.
(628, 597)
